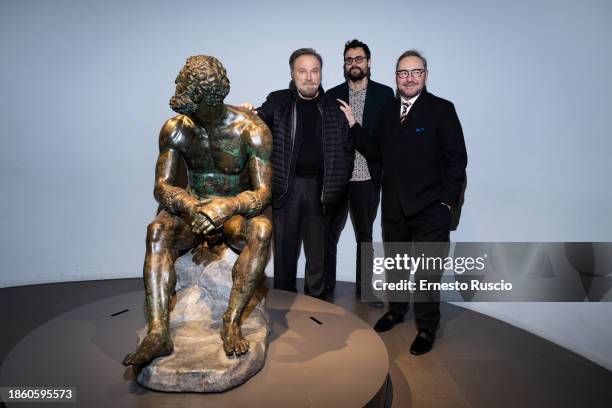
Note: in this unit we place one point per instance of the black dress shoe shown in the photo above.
(388, 320)
(423, 342)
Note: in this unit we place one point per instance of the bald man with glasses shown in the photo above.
(420, 144)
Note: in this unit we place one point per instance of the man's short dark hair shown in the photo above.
(304, 51)
(356, 44)
(412, 53)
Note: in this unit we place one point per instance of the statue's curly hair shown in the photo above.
(206, 80)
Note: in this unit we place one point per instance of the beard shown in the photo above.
(356, 73)
(183, 104)
(308, 90)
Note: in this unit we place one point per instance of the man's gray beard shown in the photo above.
(308, 93)
(183, 104)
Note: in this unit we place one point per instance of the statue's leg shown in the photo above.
(253, 235)
(166, 235)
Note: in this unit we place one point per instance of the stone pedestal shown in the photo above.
(198, 363)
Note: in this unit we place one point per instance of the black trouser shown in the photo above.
(432, 224)
(362, 200)
(300, 220)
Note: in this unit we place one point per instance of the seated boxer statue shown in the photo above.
(227, 153)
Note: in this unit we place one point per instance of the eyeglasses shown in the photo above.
(358, 60)
(415, 73)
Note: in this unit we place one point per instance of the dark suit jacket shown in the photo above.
(423, 159)
(377, 96)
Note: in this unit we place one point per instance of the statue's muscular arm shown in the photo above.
(174, 199)
(258, 139)
(250, 203)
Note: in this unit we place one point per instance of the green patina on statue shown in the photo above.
(227, 153)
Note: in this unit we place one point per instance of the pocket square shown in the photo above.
(418, 130)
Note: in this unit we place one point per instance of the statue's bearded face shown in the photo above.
(201, 81)
(184, 100)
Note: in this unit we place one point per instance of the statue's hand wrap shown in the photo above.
(211, 213)
(176, 200)
(249, 204)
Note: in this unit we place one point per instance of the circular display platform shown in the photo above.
(319, 355)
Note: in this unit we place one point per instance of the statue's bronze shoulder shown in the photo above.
(176, 131)
(254, 130)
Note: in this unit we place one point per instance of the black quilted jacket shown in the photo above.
(278, 111)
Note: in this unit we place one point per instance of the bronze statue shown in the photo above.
(227, 153)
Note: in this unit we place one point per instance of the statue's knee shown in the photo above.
(262, 229)
(155, 232)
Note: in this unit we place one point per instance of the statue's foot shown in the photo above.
(233, 342)
(154, 345)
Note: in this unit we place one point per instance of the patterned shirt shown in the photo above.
(357, 103)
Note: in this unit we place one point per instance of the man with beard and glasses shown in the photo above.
(421, 147)
(367, 99)
(312, 161)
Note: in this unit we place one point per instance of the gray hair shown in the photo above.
(304, 51)
(411, 53)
